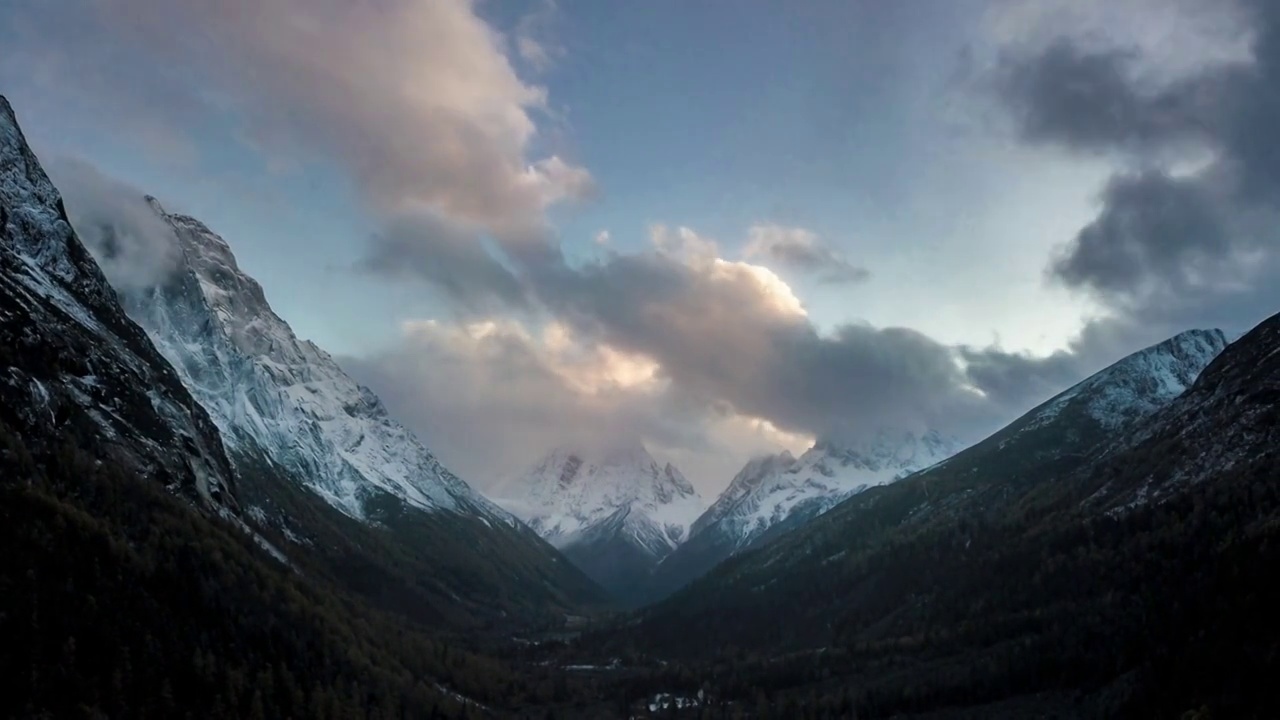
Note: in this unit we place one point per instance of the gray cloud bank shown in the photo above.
(1188, 225)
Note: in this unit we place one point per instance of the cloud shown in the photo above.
(134, 247)
(1188, 223)
(733, 332)
(682, 243)
(449, 256)
(491, 395)
(1091, 101)
(419, 105)
(802, 250)
(1152, 226)
(534, 41)
(1012, 382)
(415, 100)
(728, 338)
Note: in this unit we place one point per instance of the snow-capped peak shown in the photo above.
(1138, 384)
(776, 489)
(571, 490)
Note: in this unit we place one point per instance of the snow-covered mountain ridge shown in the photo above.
(1139, 384)
(268, 390)
(772, 496)
(614, 511)
(779, 490)
(571, 490)
(775, 493)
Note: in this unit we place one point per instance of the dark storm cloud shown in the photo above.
(1019, 380)
(1089, 101)
(864, 377)
(1151, 226)
(1163, 238)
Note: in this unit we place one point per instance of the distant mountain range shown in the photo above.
(615, 511)
(593, 508)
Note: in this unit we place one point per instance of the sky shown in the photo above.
(723, 228)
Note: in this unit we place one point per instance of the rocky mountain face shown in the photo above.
(268, 390)
(776, 493)
(616, 512)
(394, 521)
(77, 373)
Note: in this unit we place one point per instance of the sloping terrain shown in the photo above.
(76, 371)
(1130, 577)
(378, 511)
(776, 494)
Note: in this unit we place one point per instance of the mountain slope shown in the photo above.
(76, 370)
(615, 511)
(1071, 560)
(128, 585)
(267, 389)
(394, 524)
(775, 494)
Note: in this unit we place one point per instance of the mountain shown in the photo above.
(268, 390)
(395, 524)
(614, 511)
(777, 493)
(135, 579)
(746, 483)
(1099, 553)
(78, 373)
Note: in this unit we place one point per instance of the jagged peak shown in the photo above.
(603, 460)
(121, 383)
(574, 489)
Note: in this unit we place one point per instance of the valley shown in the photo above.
(205, 514)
